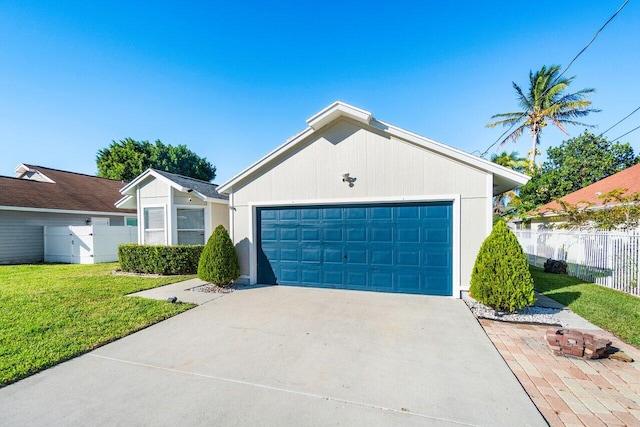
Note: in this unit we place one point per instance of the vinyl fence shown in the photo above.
(605, 257)
(86, 244)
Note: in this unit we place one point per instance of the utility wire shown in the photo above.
(565, 70)
(632, 130)
(625, 118)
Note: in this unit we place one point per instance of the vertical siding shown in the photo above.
(384, 167)
(22, 233)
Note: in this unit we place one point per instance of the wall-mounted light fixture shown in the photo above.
(348, 179)
(87, 221)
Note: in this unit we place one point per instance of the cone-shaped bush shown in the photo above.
(501, 277)
(219, 260)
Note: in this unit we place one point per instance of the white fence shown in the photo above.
(87, 244)
(604, 257)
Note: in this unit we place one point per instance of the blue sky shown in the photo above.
(233, 80)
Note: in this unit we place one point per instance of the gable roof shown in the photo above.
(628, 178)
(504, 179)
(53, 189)
(202, 189)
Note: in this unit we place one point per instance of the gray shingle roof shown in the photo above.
(205, 188)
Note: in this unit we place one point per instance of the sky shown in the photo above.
(233, 80)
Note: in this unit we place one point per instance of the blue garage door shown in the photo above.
(403, 248)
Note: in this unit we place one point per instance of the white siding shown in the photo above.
(384, 167)
(22, 233)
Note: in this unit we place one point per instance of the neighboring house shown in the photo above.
(352, 202)
(174, 209)
(551, 213)
(39, 196)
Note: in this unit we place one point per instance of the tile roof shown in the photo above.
(203, 187)
(628, 178)
(71, 191)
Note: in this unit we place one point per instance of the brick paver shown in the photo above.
(570, 391)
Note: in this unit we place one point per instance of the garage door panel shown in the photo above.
(309, 234)
(332, 234)
(357, 256)
(381, 235)
(332, 256)
(390, 248)
(290, 274)
(381, 257)
(356, 234)
(408, 258)
(310, 255)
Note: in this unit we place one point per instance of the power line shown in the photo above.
(625, 118)
(632, 130)
(565, 70)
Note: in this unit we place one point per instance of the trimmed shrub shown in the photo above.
(219, 260)
(501, 277)
(156, 259)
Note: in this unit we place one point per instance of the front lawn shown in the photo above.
(50, 313)
(609, 309)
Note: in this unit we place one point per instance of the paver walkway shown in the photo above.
(570, 391)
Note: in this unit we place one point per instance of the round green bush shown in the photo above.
(501, 277)
(219, 260)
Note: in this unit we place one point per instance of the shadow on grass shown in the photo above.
(565, 298)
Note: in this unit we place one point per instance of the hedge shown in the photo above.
(156, 259)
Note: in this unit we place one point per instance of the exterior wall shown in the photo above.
(155, 193)
(219, 215)
(385, 168)
(22, 233)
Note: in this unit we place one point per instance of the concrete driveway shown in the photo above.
(286, 356)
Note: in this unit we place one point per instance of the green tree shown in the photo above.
(576, 163)
(620, 211)
(219, 260)
(501, 277)
(513, 161)
(545, 102)
(128, 158)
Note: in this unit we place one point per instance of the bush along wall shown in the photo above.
(219, 260)
(501, 277)
(154, 259)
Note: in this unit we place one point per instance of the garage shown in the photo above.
(352, 202)
(374, 247)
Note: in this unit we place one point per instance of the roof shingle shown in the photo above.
(628, 178)
(71, 191)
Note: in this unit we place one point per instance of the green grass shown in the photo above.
(51, 313)
(609, 309)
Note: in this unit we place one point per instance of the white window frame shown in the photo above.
(205, 212)
(144, 228)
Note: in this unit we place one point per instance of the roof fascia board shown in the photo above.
(129, 188)
(320, 118)
(335, 111)
(283, 148)
(63, 211)
(454, 153)
(122, 201)
(21, 169)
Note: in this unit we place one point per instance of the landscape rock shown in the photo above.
(555, 266)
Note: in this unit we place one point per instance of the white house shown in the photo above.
(352, 202)
(38, 197)
(174, 209)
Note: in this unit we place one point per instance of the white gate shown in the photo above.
(90, 244)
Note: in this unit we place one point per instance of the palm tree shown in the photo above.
(545, 102)
(512, 161)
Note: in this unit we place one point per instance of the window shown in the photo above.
(154, 226)
(190, 226)
(131, 221)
